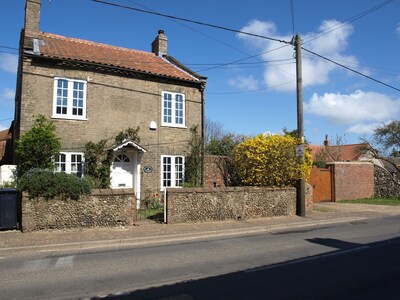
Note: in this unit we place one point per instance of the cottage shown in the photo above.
(93, 91)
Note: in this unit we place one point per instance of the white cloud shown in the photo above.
(315, 71)
(398, 28)
(246, 83)
(353, 108)
(9, 62)
(363, 128)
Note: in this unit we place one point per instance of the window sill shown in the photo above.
(68, 118)
(174, 126)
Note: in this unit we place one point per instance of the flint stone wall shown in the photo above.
(386, 186)
(106, 208)
(188, 205)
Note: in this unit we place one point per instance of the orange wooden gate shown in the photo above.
(321, 181)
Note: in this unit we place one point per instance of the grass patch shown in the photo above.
(151, 214)
(375, 201)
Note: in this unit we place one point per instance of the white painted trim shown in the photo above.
(173, 124)
(69, 114)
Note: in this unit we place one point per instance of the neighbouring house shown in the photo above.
(341, 153)
(93, 91)
(6, 169)
(6, 146)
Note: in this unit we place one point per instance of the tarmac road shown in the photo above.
(212, 260)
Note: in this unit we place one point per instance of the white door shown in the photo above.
(122, 171)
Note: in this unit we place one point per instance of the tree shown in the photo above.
(224, 145)
(388, 135)
(270, 161)
(38, 146)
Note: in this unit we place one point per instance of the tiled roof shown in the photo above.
(5, 135)
(60, 47)
(351, 152)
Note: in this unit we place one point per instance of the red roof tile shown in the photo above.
(60, 47)
(5, 135)
(351, 152)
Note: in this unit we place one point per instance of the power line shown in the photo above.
(347, 21)
(352, 70)
(7, 47)
(191, 21)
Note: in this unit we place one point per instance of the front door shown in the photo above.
(122, 171)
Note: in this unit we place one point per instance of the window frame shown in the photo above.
(176, 112)
(68, 163)
(69, 99)
(173, 172)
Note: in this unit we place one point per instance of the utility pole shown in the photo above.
(300, 203)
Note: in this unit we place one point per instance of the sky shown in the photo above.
(251, 86)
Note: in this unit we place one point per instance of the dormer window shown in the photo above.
(69, 99)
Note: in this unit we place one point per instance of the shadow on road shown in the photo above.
(368, 271)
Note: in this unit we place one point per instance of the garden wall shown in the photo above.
(216, 171)
(102, 208)
(386, 186)
(226, 203)
(353, 180)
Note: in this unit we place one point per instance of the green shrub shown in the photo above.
(47, 184)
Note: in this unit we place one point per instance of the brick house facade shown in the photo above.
(93, 91)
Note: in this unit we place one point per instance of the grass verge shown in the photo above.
(375, 201)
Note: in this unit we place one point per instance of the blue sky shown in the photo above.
(257, 93)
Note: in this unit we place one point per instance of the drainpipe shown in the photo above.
(203, 129)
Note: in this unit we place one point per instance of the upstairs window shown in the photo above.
(71, 163)
(173, 109)
(69, 99)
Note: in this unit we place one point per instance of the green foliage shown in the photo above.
(98, 164)
(128, 134)
(224, 145)
(98, 159)
(47, 184)
(194, 160)
(38, 146)
(270, 161)
(388, 135)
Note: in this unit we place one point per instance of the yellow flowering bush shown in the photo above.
(270, 161)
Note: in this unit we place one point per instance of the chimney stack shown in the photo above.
(160, 44)
(32, 16)
(326, 142)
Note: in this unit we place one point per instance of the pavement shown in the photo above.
(57, 242)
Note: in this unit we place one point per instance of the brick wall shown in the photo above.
(353, 180)
(102, 208)
(215, 171)
(218, 204)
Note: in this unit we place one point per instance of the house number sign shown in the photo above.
(147, 169)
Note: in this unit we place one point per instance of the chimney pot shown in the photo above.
(326, 142)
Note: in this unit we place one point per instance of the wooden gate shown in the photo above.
(321, 181)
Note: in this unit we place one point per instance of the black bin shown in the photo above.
(9, 208)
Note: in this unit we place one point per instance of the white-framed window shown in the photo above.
(173, 109)
(70, 162)
(172, 171)
(69, 99)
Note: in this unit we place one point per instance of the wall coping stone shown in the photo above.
(226, 189)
